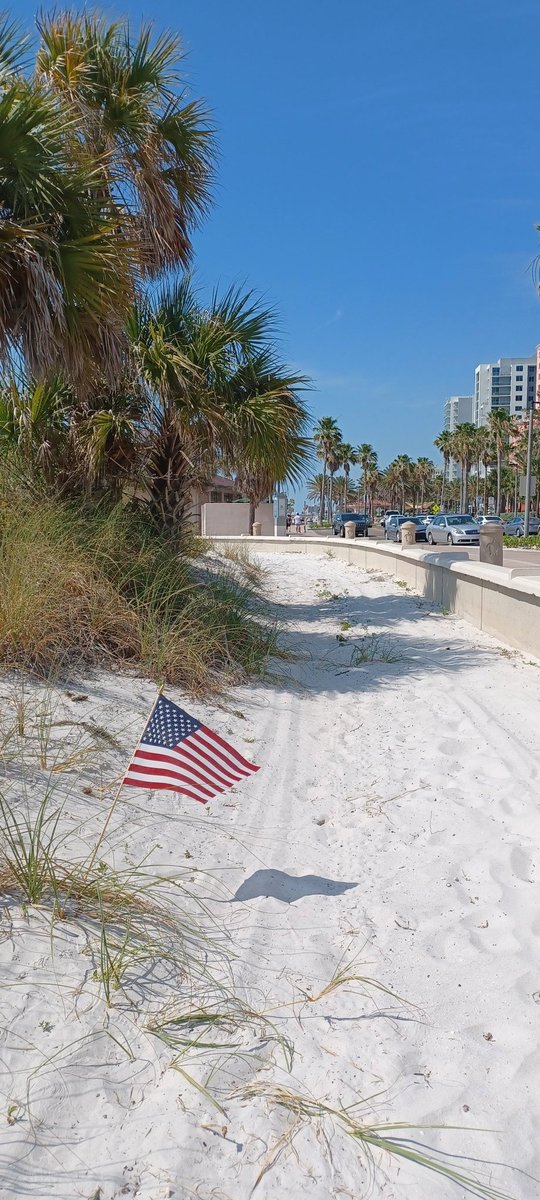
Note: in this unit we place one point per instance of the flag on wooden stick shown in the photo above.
(181, 754)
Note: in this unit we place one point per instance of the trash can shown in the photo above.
(257, 526)
(350, 529)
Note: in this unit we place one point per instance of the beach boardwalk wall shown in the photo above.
(233, 520)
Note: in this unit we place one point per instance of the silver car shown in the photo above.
(515, 527)
(455, 529)
(489, 519)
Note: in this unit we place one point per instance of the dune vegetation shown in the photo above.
(122, 389)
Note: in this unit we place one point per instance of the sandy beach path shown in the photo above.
(394, 826)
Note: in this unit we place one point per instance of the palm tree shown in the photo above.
(105, 172)
(372, 479)
(366, 457)
(424, 474)
(348, 459)
(153, 144)
(454, 493)
(500, 425)
(484, 456)
(282, 453)
(314, 487)
(463, 449)
(402, 465)
(326, 435)
(392, 479)
(210, 385)
(517, 461)
(66, 275)
(443, 443)
(334, 463)
(35, 422)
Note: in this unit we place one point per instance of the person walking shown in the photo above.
(297, 522)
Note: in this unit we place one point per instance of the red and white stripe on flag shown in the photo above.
(180, 754)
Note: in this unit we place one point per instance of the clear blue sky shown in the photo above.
(379, 182)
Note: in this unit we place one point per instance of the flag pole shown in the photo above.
(120, 786)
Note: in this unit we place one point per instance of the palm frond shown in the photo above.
(153, 65)
(13, 47)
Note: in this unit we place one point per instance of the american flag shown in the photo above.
(177, 752)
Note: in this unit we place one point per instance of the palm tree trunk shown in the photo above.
(516, 487)
(485, 488)
(499, 472)
(323, 493)
(330, 490)
(169, 483)
(251, 515)
(443, 481)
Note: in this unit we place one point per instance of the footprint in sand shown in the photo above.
(522, 866)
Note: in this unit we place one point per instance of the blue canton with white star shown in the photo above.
(168, 725)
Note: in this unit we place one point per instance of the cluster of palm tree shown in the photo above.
(490, 459)
(404, 481)
(115, 374)
(408, 482)
(337, 455)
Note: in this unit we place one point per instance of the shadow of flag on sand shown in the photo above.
(289, 888)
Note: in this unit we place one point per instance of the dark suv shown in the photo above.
(361, 521)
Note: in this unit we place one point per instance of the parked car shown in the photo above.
(390, 512)
(392, 530)
(425, 518)
(489, 519)
(456, 529)
(515, 527)
(361, 521)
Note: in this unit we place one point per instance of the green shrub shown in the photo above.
(523, 542)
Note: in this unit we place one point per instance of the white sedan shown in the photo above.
(455, 529)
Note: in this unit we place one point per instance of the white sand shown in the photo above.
(413, 782)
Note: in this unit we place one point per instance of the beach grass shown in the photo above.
(249, 565)
(86, 585)
(375, 647)
(399, 1140)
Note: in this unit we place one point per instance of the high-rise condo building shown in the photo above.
(457, 410)
(509, 383)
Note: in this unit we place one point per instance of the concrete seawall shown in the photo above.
(502, 601)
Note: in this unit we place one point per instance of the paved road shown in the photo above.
(511, 557)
